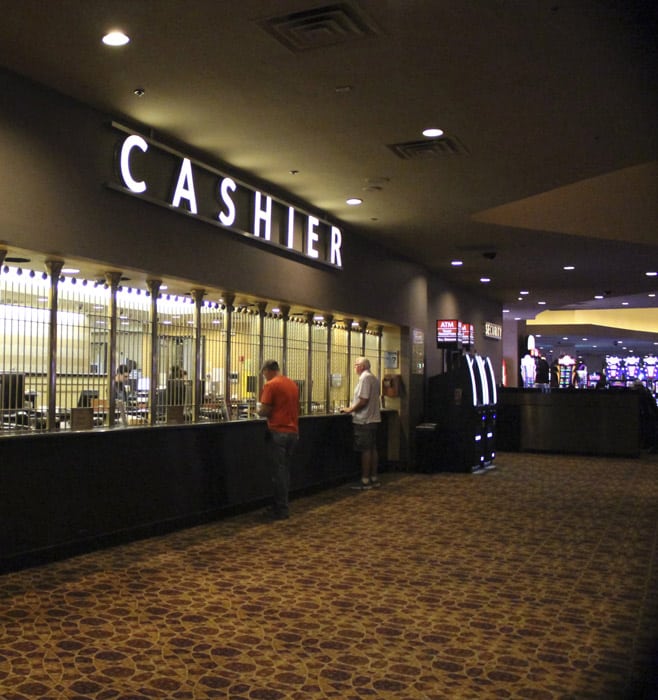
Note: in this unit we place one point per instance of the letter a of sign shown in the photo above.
(185, 187)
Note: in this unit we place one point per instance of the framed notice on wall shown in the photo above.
(391, 360)
(417, 351)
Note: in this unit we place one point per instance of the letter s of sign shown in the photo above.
(134, 141)
(226, 186)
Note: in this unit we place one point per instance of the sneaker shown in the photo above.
(361, 486)
(375, 483)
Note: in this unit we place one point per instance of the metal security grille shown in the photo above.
(213, 350)
(340, 378)
(371, 343)
(357, 342)
(244, 367)
(24, 342)
(298, 358)
(117, 356)
(133, 353)
(319, 336)
(176, 353)
(83, 327)
(273, 327)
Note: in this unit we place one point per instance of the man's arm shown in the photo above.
(264, 410)
(361, 403)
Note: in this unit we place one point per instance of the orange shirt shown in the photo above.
(283, 395)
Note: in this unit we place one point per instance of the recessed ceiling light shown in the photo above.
(115, 38)
(624, 303)
(485, 280)
(541, 303)
(457, 263)
(598, 296)
(568, 267)
(525, 291)
(505, 311)
(353, 201)
(70, 270)
(651, 274)
(433, 133)
(651, 294)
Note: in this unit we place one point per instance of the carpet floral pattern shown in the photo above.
(537, 580)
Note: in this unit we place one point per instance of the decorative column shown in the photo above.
(285, 316)
(54, 268)
(309, 363)
(262, 308)
(197, 396)
(229, 299)
(329, 318)
(379, 332)
(348, 324)
(154, 291)
(113, 279)
(363, 326)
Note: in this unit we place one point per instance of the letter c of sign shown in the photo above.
(136, 186)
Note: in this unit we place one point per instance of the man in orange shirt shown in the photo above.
(279, 403)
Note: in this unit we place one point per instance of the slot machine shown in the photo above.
(614, 370)
(632, 367)
(565, 369)
(651, 372)
(461, 411)
(490, 408)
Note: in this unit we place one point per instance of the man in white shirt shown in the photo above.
(366, 417)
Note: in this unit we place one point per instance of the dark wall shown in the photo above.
(447, 303)
(57, 156)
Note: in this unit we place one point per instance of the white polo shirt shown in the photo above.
(367, 388)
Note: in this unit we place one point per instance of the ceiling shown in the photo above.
(549, 156)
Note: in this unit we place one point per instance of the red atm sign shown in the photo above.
(448, 331)
(454, 332)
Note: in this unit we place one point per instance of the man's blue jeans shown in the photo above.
(281, 448)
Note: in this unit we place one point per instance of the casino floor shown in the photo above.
(537, 579)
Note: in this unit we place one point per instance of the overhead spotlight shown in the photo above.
(115, 38)
(139, 92)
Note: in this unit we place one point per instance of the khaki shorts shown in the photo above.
(365, 436)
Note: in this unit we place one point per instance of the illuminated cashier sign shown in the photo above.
(158, 174)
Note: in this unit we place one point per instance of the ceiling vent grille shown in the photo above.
(319, 27)
(445, 146)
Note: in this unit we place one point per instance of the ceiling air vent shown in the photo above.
(319, 27)
(446, 146)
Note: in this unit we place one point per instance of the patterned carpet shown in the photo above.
(536, 580)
